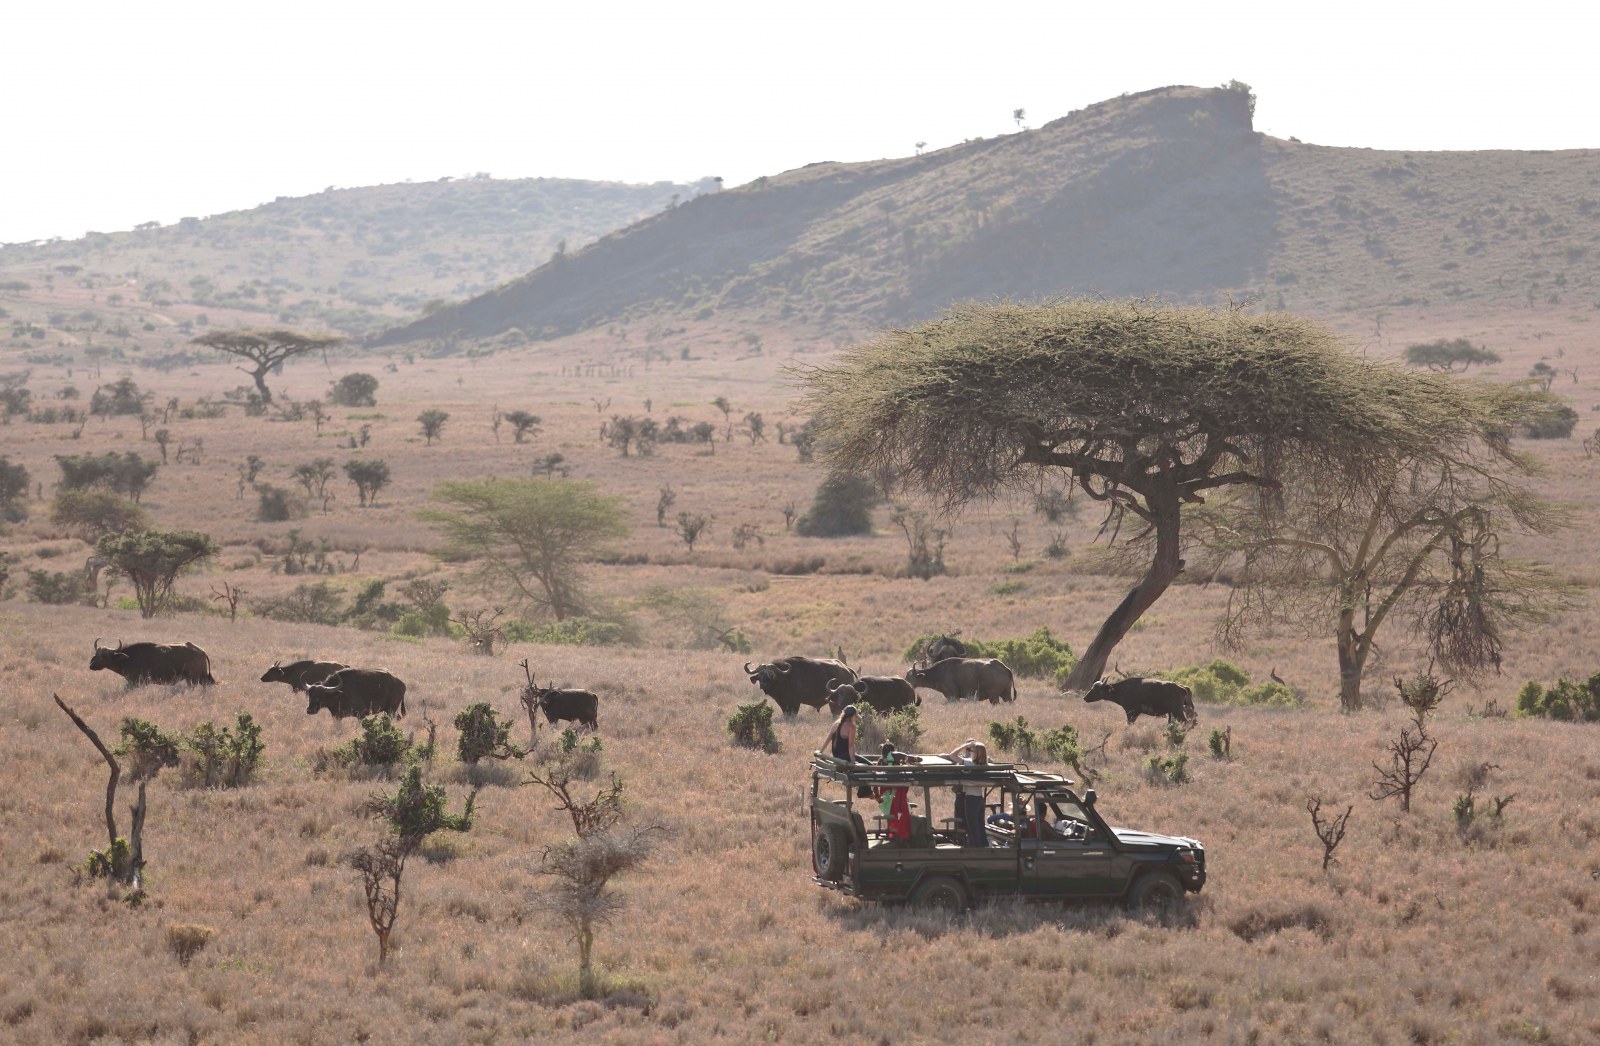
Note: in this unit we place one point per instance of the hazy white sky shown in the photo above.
(122, 113)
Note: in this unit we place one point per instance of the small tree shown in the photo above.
(13, 490)
(121, 397)
(1449, 355)
(1412, 751)
(690, 528)
(755, 426)
(412, 814)
(583, 869)
(314, 476)
(354, 390)
(432, 422)
(484, 735)
(152, 559)
(527, 538)
(123, 858)
(522, 424)
(264, 350)
(1330, 832)
(924, 543)
(369, 477)
(665, 499)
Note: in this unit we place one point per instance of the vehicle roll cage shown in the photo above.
(935, 771)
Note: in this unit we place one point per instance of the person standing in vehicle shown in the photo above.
(969, 800)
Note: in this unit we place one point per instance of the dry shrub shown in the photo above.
(186, 940)
(1258, 923)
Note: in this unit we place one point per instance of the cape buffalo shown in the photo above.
(883, 693)
(357, 692)
(941, 647)
(573, 706)
(958, 678)
(795, 681)
(299, 674)
(1155, 697)
(154, 663)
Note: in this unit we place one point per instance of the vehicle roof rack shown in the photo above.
(935, 772)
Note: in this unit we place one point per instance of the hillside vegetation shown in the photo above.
(1169, 193)
(354, 260)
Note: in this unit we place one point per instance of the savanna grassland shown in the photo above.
(1420, 932)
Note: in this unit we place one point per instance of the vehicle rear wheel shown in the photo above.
(1158, 892)
(831, 849)
(940, 891)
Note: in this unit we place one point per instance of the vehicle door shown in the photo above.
(1069, 856)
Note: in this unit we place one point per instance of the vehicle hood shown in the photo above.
(1149, 840)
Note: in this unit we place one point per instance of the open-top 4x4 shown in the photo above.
(1043, 839)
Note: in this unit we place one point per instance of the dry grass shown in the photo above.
(1413, 935)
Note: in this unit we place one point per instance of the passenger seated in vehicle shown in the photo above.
(893, 801)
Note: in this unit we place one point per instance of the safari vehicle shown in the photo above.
(1043, 839)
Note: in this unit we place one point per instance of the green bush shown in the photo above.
(484, 735)
(277, 505)
(1172, 769)
(1557, 422)
(1268, 694)
(1568, 701)
(354, 390)
(1037, 656)
(1015, 738)
(434, 621)
(574, 631)
(842, 506)
(146, 748)
(751, 727)
(903, 729)
(312, 602)
(55, 587)
(380, 743)
(225, 758)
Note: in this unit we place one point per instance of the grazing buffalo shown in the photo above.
(941, 647)
(573, 706)
(300, 674)
(958, 678)
(357, 692)
(883, 693)
(795, 681)
(1139, 696)
(154, 663)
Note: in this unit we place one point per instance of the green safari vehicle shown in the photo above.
(1041, 839)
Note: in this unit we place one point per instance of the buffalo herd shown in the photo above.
(791, 682)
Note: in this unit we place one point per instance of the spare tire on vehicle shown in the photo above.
(831, 851)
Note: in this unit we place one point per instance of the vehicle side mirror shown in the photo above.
(1088, 797)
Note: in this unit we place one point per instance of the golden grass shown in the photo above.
(1413, 935)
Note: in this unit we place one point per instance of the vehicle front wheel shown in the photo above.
(940, 891)
(831, 850)
(1158, 892)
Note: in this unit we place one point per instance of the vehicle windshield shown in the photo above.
(1062, 809)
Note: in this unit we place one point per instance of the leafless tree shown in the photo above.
(1330, 832)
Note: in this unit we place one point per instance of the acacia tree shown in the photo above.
(1148, 409)
(527, 537)
(1419, 540)
(265, 349)
(151, 560)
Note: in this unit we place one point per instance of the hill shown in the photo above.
(354, 260)
(1170, 193)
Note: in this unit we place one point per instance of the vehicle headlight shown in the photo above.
(1186, 856)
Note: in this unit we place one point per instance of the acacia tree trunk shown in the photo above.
(1164, 569)
(1353, 650)
(585, 963)
(260, 374)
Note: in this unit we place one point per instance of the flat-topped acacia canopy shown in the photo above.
(1145, 406)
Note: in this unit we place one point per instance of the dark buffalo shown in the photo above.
(941, 647)
(573, 706)
(883, 693)
(357, 692)
(1156, 697)
(154, 663)
(958, 678)
(300, 674)
(795, 681)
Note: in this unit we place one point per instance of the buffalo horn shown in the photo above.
(97, 642)
(783, 670)
(747, 669)
(833, 686)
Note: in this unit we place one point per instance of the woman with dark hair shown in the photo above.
(841, 740)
